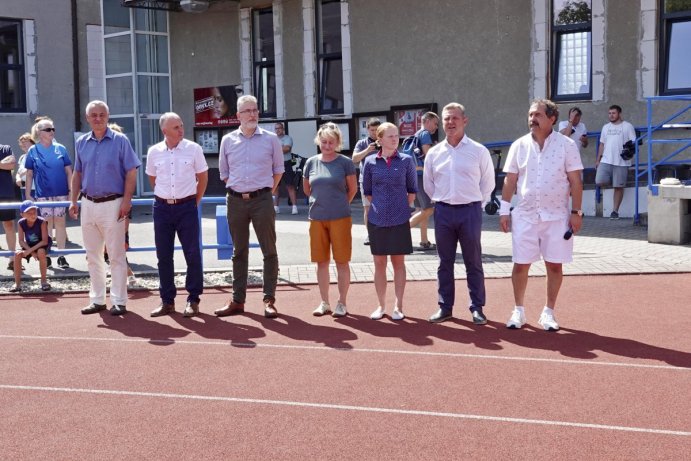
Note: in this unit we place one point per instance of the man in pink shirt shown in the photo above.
(544, 167)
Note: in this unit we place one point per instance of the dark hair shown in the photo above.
(615, 107)
(230, 97)
(551, 109)
(374, 121)
(576, 109)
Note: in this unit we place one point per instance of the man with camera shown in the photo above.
(612, 167)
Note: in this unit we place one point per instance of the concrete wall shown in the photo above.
(54, 73)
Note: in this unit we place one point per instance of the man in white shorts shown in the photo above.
(544, 167)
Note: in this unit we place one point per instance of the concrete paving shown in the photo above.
(604, 246)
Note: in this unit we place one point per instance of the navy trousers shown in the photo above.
(182, 220)
(462, 224)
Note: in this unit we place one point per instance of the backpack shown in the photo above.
(411, 146)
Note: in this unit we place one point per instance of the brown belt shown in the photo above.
(175, 201)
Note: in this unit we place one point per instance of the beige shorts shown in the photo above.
(544, 239)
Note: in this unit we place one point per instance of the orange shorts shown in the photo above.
(328, 235)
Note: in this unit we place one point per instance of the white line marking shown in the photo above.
(331, 406)
(348, 349)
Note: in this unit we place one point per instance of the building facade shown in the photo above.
(342, 60)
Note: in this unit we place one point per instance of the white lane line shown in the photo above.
(331, 406)
(348, 349)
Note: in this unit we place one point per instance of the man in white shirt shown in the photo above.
(611, 167)
(458, 177)
(574, 128)
(178, 174)
(544, 167)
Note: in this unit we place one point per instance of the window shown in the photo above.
(571, 50)
(675, 36)
(12, 92)
(264, 64)
(329, 57)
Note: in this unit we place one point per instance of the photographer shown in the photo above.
(612, 168)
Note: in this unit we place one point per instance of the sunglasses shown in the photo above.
(49, 130)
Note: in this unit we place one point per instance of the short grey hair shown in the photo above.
(167, 116)
(454, 106)
(98, 103)
(246, 98)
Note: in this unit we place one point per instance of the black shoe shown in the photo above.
(62, 263)
(49, 262)
(442, 315)
(118, 310)
(478, 317)
(93, 308)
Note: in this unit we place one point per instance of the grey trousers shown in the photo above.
(260, 212)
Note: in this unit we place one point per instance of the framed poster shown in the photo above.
(208, 139)
(216, 106)
(408, 119)
(361, 122)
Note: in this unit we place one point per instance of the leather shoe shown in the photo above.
(270, 311)
(191, 309)
(93, 308)
(478, 317)
(163, 309)
(442, 315)
(118, 310)
(231, 308)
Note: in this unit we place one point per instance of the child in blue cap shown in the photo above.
(32, 231)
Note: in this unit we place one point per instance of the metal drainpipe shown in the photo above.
(75, 68)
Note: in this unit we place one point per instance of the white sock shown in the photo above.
(547, 310)
(519, 308)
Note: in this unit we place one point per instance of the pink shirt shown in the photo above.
(248, 164)
(458, 175)
(175, 169)
(543, 187)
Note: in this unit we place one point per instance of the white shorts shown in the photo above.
(546, 239)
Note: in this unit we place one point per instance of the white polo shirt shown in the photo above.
(458, 175)
(175, 169)
(543, 187)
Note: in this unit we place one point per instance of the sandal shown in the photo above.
(46, 287)
(15, 289)
(427, 246)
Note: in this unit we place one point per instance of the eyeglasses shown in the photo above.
(49, 130)
(250, 111)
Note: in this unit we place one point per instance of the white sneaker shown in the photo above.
(397, 315)
(131, 281)
(322, 309)
(340, 310)
(548, 321)
(277, 210)
(378, 314)
(517, 319)
(295, 210)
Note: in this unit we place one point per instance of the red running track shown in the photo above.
(614, 383)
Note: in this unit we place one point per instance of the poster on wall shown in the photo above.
(216, 106)
(408, 119)
(362, 132)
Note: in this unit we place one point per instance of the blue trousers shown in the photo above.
(182, 220)
(462, 224)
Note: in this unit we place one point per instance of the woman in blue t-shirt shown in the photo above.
(49, 170)
(33, 242)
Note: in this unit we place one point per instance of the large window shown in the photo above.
(12, 93)
(571, 50)
(329, 57)
(264, 64)
(675, 40)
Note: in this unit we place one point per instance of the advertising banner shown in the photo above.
(216, 106)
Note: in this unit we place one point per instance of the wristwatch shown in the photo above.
(578, 212)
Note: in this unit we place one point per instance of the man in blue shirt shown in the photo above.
(363, 149)
(105, 175)
(430, 124)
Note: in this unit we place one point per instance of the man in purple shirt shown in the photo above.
(105, 176)
(251, 166)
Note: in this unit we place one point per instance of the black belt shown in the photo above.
(248, 195)
(462, 205)
(105, 198)
(175, 201)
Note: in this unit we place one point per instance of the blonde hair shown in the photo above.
(117, 128)
(26, 137)
(330, 130)
(41, 122)
(383, 127)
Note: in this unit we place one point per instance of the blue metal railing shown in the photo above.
(224, 244)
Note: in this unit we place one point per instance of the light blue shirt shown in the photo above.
(104, 164)
(248, 164)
